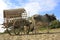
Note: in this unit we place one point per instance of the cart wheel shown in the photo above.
(13, 31)
(16, 26)
(10, 31)
(17, 31)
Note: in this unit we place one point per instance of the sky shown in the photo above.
(32, 7)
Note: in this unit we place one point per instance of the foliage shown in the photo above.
(55, 24)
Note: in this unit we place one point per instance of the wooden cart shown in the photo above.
(15, 20)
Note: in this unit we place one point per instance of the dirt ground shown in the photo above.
(55, 36)
(43, 36)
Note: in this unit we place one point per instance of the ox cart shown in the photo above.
(16, 21)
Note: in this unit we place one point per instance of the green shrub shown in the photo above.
(55, 24)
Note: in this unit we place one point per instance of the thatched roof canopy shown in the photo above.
(13, 12)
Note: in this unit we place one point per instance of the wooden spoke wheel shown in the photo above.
(10, 31)
(17, 31)
(17, 27)
(13, 28)
(13, 31)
